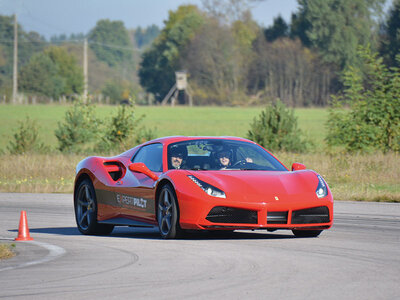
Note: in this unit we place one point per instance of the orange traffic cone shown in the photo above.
(23, 231)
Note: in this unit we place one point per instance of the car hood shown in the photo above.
(266, 185)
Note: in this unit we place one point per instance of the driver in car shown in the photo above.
(177, 156)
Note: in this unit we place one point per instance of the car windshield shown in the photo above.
(220, 154)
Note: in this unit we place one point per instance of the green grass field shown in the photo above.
(231, 121)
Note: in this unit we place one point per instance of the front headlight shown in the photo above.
(322, 190)
(208, 188)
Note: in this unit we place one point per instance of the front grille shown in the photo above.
(311, 215)
(223, 214)
(277, 217)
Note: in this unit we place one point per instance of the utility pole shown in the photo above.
(85, 71)
(15, 68)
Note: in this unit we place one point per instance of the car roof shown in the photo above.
(181, 138)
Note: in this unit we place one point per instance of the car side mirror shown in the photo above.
(142, 168)
(298, 167)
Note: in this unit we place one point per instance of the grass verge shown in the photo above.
(7, 251)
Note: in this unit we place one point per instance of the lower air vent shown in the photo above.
(277, 217)
(311, 215)
(222, 214)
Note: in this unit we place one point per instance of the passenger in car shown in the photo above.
(224, 158)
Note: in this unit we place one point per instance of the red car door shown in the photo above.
(135, 191)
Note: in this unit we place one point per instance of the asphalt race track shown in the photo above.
(358, 258)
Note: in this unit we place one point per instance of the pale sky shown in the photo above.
(54, 17)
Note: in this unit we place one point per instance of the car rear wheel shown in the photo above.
(306, 233)
(167, 214)
(86, 211)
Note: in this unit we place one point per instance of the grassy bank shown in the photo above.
(350, 177)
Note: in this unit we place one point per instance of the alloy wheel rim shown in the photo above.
(85, 207)
(165, 212)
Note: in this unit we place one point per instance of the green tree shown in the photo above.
(29, 43)
(161, 60)
(110, 41)
(276, 129)
(287, 70)
(145, 36)
(228, 11)
(41, 77)
(277, 30)
(118, 91)
(52, 73)
(391, 41)
(337, 27)
(79, 130)
(372, 93)
(124, 131)
(299, 27)
(26, 138)
(68, 69)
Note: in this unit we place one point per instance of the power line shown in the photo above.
(76, 41)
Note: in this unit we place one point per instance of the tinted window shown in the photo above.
(151, 156)
(221, 154)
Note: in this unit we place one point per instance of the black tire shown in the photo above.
(168, 214)
(85, 205)
(306, 233)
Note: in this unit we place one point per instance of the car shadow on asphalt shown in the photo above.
(53, 230)
(153, 233)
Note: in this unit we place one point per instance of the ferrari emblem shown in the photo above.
(276, 198)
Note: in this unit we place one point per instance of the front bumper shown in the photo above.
(205, 212)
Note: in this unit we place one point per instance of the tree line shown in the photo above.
(53, 69)
(229, 58)
(235, 61)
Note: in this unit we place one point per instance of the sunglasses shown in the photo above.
(223, 154)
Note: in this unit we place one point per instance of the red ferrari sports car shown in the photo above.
(199, 183)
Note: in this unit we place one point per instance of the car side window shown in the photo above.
(151, 156)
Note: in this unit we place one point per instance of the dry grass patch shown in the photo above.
(37, 173)
(367, 177)
(361, 177)
(6, 251)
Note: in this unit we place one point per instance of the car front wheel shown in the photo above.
(167, 214)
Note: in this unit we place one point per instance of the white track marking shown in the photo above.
(54, 252)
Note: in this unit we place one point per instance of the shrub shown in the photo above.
(79, 130)
(26, 138)
(123, 131)
(372, 121)
(276, 129)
